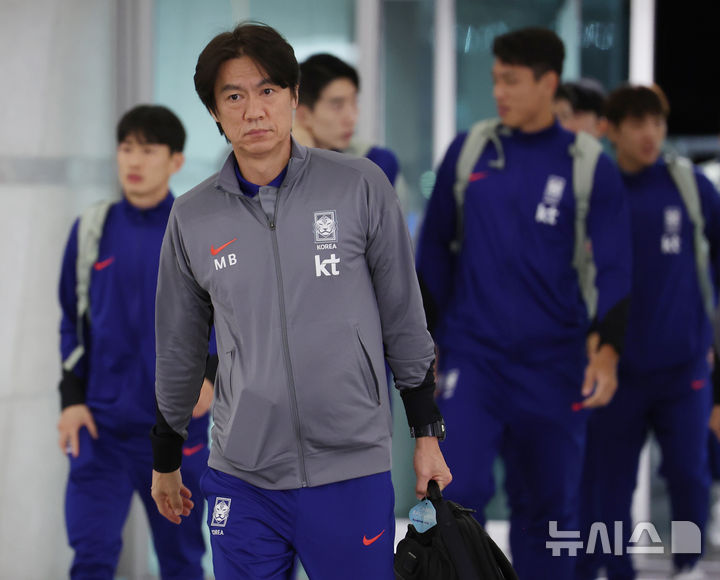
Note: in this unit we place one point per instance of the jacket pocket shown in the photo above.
(251, 421)
(371, 380)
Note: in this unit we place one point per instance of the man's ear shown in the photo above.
(550, 82)
(177, 160)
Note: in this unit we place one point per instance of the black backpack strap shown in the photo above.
(450, 533)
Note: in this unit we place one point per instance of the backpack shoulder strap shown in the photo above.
(473, 146)
(90, 228)
(585, 152)
(683, 174)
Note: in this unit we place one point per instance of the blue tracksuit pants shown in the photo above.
(492, 406)
(675, 405)
(340, 530)
(100, 486)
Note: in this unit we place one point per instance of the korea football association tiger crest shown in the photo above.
(671, 241)
(547, 210)
(325, 227)
(221, 512)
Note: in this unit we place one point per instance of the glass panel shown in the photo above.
(605, 39)
(311, 26)
(408, 90)
(595, 33)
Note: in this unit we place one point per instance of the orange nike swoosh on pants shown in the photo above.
(187, 451)
(367, 541)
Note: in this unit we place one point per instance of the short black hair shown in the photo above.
(565, 93)
(635, 101)
(317, 72)
(263, 44)
(587, 95)
(538, 48)
(152, 124)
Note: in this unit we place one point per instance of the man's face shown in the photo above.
(332, 121)
(638, 140)
(522, 100)
(255, 114)
(144, 169)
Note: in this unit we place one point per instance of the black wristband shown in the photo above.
(612, 327)
(166, 445)
(420, 406)
(72, 390)
(211, 365)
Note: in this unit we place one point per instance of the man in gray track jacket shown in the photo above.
(302, 260)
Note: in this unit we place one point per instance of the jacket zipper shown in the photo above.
(286, 345)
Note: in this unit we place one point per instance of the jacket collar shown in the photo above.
(226, 179)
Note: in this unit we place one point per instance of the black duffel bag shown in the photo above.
(456, 548)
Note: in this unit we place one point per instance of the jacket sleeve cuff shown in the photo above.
(72, 390)
(612, 327)
(166, 445)
(419, 402)
(211, 365)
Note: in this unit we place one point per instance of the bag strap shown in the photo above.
(585, 152)
(450, 534)
(473, 146)
(90, 229)
(681, 170)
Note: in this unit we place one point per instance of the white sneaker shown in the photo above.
(713, 526)
(693, 573)
(712, 529)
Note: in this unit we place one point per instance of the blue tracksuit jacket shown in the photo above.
(668, 325)
(118, 367)
(512, 288)
(385, 160)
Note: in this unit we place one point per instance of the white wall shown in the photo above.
(56, 156)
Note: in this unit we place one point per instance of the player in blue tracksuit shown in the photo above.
(108, 394)
(506, 311)
(327, 111)
(664, 372)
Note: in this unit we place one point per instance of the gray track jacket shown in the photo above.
(305, 283)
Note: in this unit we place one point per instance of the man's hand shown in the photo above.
(171, 496)
(429, 463)
(591, 344)
(72, 419)
(600, 377)
(204, 400)
(715, 421)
